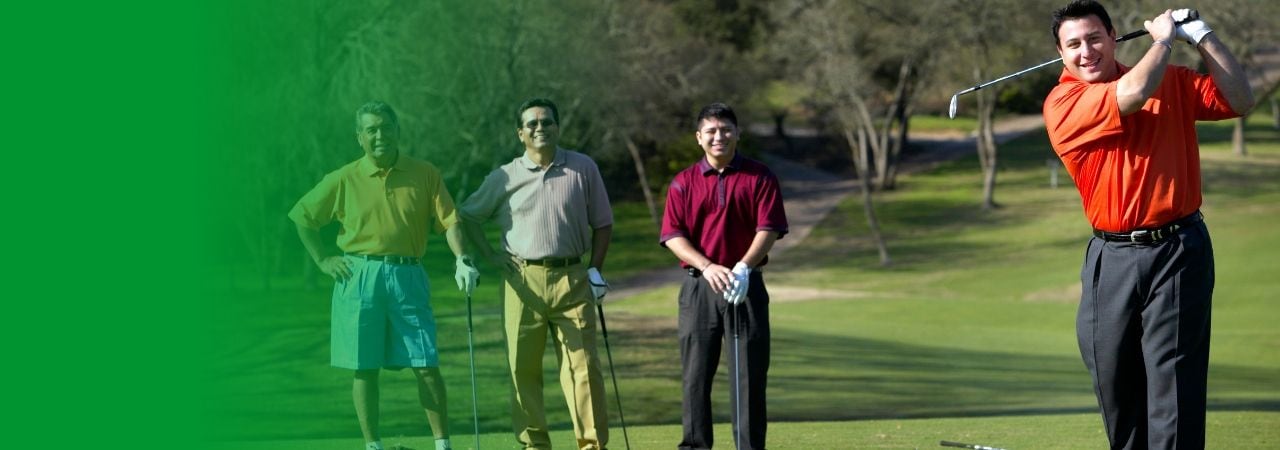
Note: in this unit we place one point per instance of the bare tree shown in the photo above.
(661, 71)
(1008, 34)
(825, 46)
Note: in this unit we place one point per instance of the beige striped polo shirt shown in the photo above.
(549, 213)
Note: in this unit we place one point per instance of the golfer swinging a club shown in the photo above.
(386, 202)
(723, 214)
(1127, 136)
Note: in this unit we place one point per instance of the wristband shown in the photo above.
(1163, 42)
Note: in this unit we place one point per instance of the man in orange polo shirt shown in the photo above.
(386, 202)
(1127, 137)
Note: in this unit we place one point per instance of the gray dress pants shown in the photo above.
(1143, 329)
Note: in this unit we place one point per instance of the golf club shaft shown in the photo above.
(1038, 66)
(471, 351)
(968, 446)
(1193, 15)
(617, 396)
(737, 380)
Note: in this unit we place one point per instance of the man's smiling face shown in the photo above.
(1087, 49)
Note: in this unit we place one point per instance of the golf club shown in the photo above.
(737, 380)
(612, 374)
(968, 446)
(951, 112)
(471, 353)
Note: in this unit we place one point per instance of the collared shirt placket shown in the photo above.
(721, 201)
(384, 176)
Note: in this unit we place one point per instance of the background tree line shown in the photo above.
(629, 77)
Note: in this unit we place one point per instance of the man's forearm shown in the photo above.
(312, 241)
(760, 246)
(1227, 73)
(600, 245)
(683, 249)
(472, 233)
(456, 239)
(1135, 87)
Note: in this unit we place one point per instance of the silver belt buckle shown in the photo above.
(1133, 237)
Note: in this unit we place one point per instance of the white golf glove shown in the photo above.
(599, 287)
(465, 275)
(1192, 31)
(737, 291)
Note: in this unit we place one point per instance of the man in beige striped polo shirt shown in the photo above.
(552, 208)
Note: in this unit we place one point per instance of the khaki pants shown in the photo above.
(535, 301)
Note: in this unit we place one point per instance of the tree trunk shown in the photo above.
(1237, 137)
(869, 140)
(861, 165)
(1275, 112)
(644, 179)
(780, 130)
(899, 117)
(986, 144)
(895, 149)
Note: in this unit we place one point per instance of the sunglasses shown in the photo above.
(533, 124)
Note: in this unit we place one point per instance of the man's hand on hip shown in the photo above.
(738, 287)
(465, 274)
(599, 287)
(337, 267)
(503, 262)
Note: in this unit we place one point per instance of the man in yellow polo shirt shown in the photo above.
(551, 206)
(386, 202)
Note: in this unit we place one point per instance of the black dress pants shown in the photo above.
(705, 320)
(1143, 329)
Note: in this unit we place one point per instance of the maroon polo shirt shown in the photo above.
(720, 212)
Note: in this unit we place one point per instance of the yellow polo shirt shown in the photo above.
(382, 212)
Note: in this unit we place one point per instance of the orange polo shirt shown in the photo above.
(382, 212)
(1136, 171)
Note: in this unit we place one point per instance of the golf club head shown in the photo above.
(952, 111)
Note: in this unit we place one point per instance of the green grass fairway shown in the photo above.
(1240, 430)
(969, 335)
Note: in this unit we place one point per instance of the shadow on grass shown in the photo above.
(821, 377)
(824, 377)
(273, 382)
(918, 230)
(270, 376)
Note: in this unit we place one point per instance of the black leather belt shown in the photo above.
(698, 273)
(553, 262)
(391, 259)
(1150, 236)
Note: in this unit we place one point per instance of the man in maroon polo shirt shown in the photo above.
(724, 211)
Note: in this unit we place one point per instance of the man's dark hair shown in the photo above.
(379, 109)
(716, 110)
(1080, 9)
(535, 103)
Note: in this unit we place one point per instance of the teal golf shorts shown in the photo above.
(382, 318)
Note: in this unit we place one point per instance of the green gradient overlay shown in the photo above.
(454, 74)
(112, 124)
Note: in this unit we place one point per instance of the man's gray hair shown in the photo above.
(380, 109)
